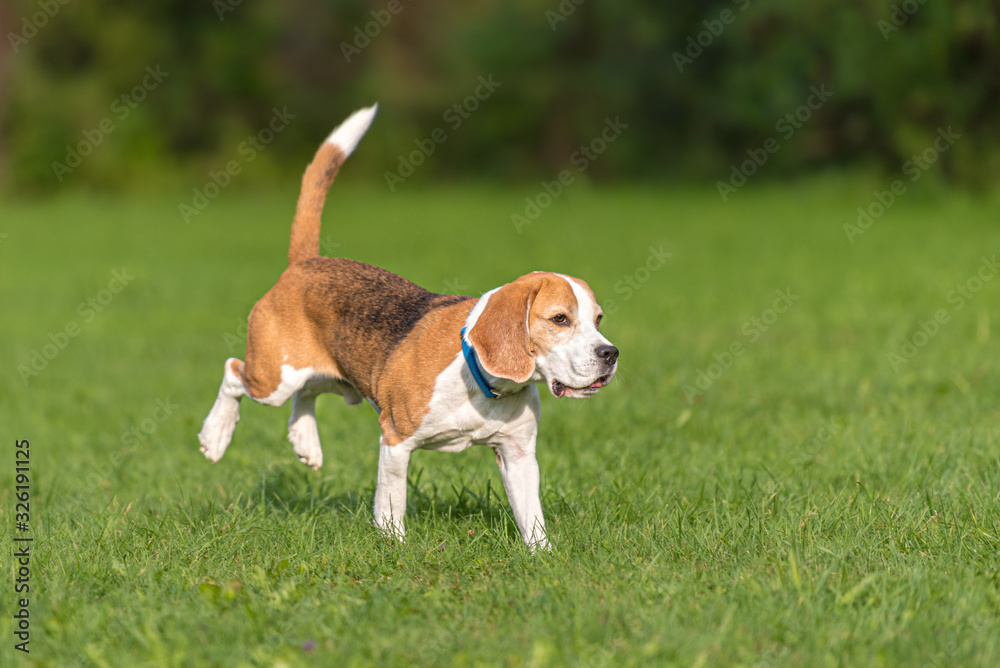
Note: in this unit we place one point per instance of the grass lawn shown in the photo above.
(818, 486)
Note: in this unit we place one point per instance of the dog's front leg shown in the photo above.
(519, 470)
(390, 490)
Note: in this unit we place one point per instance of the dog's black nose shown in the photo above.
(607, 353)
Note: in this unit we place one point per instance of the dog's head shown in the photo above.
(544, 326)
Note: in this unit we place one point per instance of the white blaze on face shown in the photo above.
(574, 363)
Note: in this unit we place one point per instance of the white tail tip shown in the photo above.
(349, 133)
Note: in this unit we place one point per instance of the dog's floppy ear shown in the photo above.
(500, 335)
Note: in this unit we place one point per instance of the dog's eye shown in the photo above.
(560, 319)
(597, 323)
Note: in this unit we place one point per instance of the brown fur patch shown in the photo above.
(554, 297)
(236, 366)
(500, 335)
(406, 387)
(315, 184)
(279, 332)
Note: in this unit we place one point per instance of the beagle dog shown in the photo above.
(444, 372)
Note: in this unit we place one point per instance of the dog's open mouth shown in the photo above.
(561, 390)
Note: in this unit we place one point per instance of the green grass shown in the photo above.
(732, 530)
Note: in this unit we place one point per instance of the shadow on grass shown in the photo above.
(288, 490)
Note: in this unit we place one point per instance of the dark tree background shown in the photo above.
(897, 71)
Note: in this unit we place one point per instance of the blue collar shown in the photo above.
(474, 368)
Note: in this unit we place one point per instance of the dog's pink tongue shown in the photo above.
(598, 383)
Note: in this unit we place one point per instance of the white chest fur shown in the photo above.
(460, 416)
(457, 419)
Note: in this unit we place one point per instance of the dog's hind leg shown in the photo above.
(302, 429)
(217, 431)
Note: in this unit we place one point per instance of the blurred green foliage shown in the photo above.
(698, 84)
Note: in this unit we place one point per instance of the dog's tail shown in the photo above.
(317, 180)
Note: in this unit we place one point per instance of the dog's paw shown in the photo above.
(541, 546)
(305, 442)
(313, 460)
(391, 529)
(217, 431)
(215, 439)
